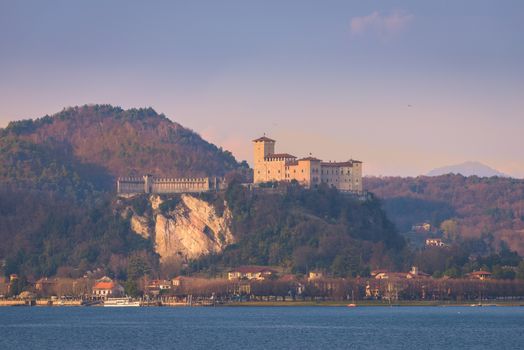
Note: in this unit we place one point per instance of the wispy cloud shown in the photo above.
(383, 25)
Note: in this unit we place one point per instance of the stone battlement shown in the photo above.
(159, 185)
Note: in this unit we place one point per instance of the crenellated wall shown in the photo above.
(153, 185)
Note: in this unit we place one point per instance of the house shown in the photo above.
(297, 286)
(12, 286)
(179, 281)
(106, 287)
(372, 292)
(390, 275)
(27, 295)
(13, 278)
(3, 286)
(374, 273)
(45, 285)
(434, 242)
(315, 275)
(159, 286)
(416, 273)
(421, 227)
(480, 275)
(251, 273)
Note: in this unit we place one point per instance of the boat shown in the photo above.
(121, 302)
(353, 304)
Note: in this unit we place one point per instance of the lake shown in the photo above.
(262, 328)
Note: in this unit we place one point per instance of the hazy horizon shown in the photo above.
(405, 87)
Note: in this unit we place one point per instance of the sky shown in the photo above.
(404, 86)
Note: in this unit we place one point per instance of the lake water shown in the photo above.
(262, 328)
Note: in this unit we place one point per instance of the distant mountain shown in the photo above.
(467, 169)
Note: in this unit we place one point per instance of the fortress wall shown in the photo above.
(165, 185)
(130, 185)
(184, 185)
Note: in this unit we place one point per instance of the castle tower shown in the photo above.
(262, 147)
(148, 183)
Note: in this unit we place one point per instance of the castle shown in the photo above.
(309, 171)
(268, 166)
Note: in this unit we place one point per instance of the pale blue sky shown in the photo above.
(405, 86)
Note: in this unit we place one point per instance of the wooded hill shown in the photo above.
(57, 184)
(480, 207)
(303, 230)
(87, 147)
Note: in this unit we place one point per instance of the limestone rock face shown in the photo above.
(140, 225)
(191, 229)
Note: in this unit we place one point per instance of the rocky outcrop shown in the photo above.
(140, 225)
(191, 229)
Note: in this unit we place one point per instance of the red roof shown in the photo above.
(313, 159)
(480, 273)
(281, 155)
(419, 274)
(396, 274)
(288, 278)
(263, 139)
(339, 164)
(159, 282)
(104, 285)
(45, 280)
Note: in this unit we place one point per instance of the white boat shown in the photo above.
(120, 302)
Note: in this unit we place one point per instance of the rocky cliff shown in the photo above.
(182, 227)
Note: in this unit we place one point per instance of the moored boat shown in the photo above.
(121, 302)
